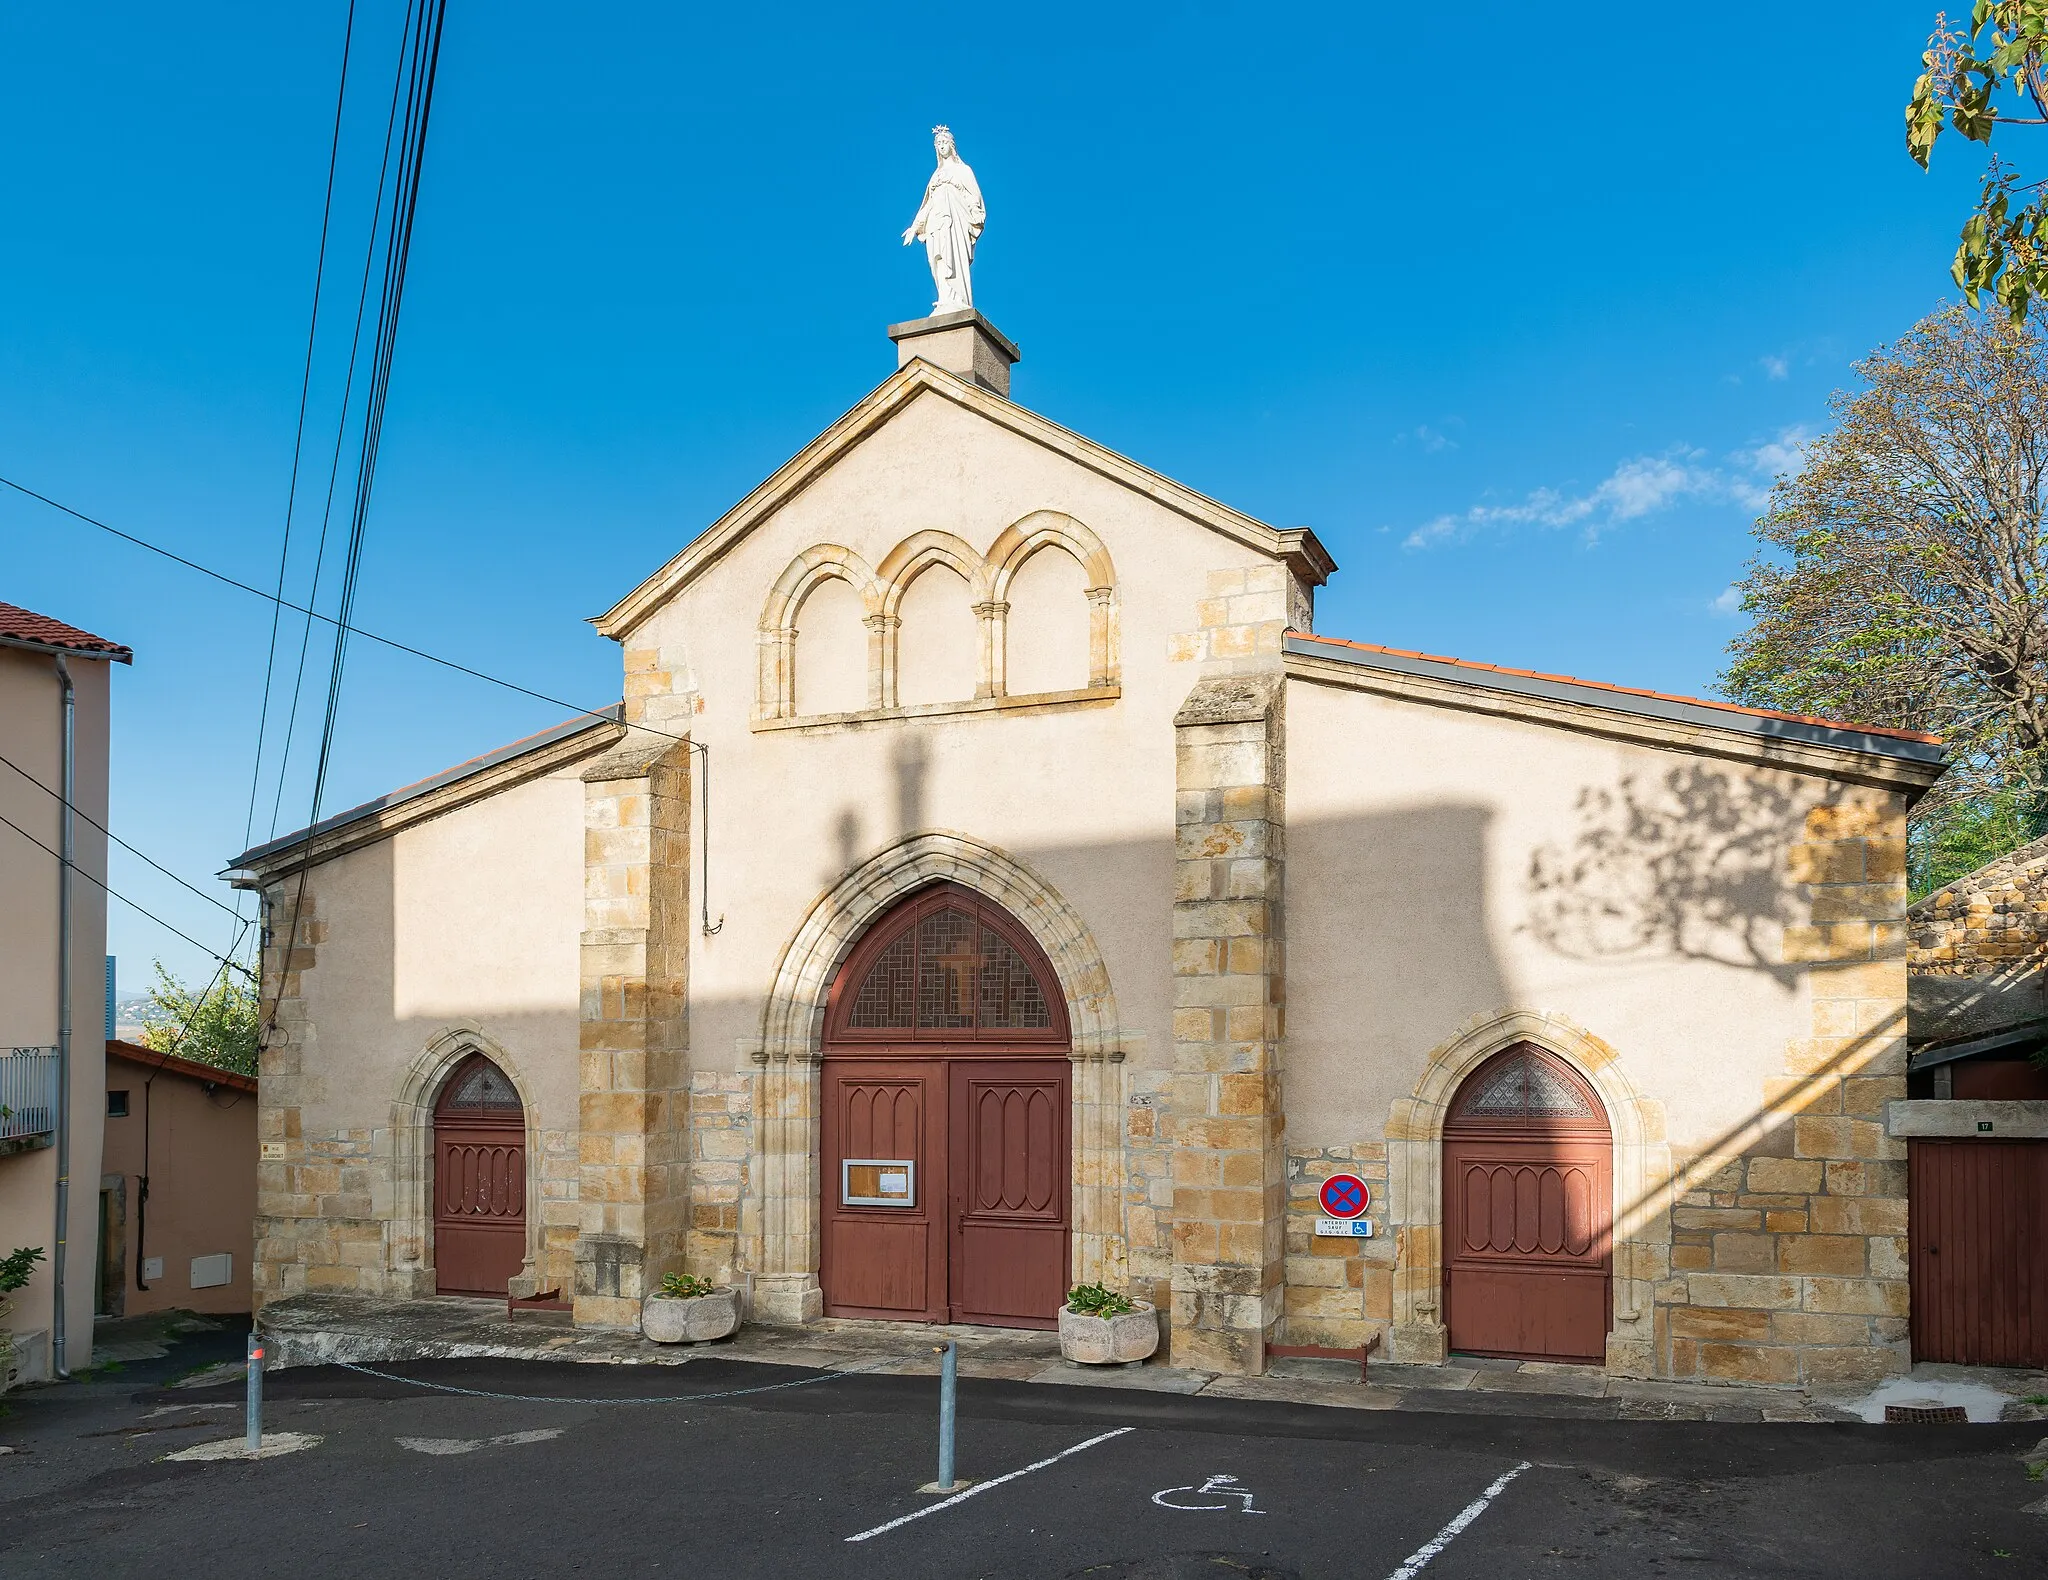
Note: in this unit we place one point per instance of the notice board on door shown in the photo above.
(878, 1182)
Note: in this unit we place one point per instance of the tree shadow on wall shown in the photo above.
(1688, 865)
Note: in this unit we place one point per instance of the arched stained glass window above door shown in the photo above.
(948, 966)
(1524, 1084)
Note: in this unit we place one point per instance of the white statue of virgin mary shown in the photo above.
(949, 223)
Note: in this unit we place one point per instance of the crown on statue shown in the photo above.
(942, 131)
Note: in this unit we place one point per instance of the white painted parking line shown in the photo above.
(995, 1481)
(1463, 1518)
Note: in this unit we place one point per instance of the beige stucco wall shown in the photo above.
(458, 931)
(470, 917)
(31, 736)
(202, 1186)
(1083, 793)
(1444, 865)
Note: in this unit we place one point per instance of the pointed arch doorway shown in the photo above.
(1528, 1211)
(946, 1177)
(479, 1181)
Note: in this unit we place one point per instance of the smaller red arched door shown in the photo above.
(1528, 1212)
(479, 1181)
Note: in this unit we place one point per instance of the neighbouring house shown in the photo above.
(177, 1185)
(54, 700)
(1976, 1122)
(991, 882)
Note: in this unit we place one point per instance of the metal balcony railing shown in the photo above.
(28, 1096)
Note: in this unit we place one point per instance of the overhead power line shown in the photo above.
(291, 497)
(313, 614)
(420, 54)
(132, 905)
(80, 811)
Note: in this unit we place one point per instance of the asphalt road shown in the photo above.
(821, 1479)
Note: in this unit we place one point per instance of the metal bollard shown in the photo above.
(949, 1382)
(254, 1441)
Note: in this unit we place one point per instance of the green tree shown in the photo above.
(1905, 578)
(217, 1026)
(2004, 244)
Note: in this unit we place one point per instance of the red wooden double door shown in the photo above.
(1528, 1211)
(946, 1145)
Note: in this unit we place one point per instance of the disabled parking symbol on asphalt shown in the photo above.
(1224, 1488)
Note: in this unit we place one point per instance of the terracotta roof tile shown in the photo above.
(1626, 691)
(24, 625)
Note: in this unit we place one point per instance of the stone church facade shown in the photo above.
(1602, 992)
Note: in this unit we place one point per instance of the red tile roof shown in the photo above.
(1627, 691)
(24, 625)
(211, 1074)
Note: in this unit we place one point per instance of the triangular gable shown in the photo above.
(1297, 544)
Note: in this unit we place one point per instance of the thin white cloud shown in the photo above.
(1729, 602)
(1636, 488)
(1640, 487)
(1775, 367)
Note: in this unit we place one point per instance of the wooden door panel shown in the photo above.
(1978, 1237)
(479, 1208)
(1547, 1316)
(1010, 1276)
(1011, 1174)
(879, 1267)
(884, 1261)
(1528, 1244)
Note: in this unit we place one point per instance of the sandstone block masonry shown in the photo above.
(1788, 1257)
(633, 1036)
(1228, 1118)
(1994, 920)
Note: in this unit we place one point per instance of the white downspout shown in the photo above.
(70, 788)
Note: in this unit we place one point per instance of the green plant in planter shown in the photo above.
(16, 1267)
(1092, 1300)
(682, 1286)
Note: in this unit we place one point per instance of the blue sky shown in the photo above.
(1519, 314)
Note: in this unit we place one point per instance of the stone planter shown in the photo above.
(1109, 1341)
(669, 1320)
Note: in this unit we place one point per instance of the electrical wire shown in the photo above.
(284, 552)
(393, 643)
(79, 811)
(149, 1081)
(348, 385)
(132, 905)
(423, 30)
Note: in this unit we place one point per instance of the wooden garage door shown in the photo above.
(1528, 1203)
(479, 1181)
(1978, 1228)
(946, 1175)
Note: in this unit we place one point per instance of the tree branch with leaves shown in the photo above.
(2004, 245)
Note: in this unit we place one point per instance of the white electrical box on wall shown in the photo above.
(210, 1271)
(152, 1268)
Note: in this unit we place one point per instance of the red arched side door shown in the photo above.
(479, 1181)
(1528, 1209)
(946, 1178)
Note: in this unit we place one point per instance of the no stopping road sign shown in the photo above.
(1344, 1196)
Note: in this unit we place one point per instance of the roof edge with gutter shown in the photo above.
(429, 797)
(1894, 759)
